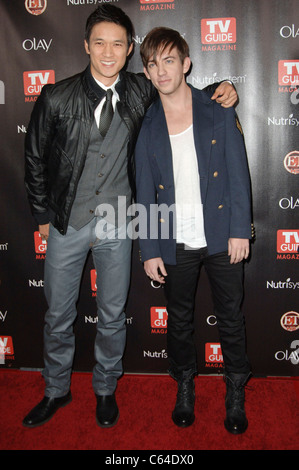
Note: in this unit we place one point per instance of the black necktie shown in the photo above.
(106, 114)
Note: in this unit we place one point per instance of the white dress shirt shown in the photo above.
(115, 98)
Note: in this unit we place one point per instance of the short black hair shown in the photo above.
(111, 14)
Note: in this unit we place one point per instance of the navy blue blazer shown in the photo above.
(223, 171)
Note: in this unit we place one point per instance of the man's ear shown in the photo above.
(146, 73)
(186, 64)
(86, 47)
(130, 49)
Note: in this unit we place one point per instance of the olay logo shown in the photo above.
(218, 30)
(36, 79)
(288, 72)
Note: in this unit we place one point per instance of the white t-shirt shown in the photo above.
(189, 209)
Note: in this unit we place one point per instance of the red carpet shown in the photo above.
(145, 404)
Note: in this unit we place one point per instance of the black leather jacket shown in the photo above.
(58, 136)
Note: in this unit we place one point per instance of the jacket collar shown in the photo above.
(202, 129)
(199, 97)
(94, 92)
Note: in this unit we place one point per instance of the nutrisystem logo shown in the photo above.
(36, 7)
(287, 284)
(204, 80)
(290, 120)
(156, 354)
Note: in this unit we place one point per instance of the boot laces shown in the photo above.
(237, 396)
(185, 392)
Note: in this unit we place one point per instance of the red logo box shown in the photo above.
(6, 345)
(34, 81)
(213, 352)
(159, 317)
(288, 72)
(218, 30)
(287, 241)
(39, 244)
(93, 280)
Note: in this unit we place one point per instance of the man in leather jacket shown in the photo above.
(79, 156)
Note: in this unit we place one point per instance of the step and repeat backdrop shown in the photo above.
(255, 45)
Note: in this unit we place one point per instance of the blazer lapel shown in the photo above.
(203, 128)
(161, 144)
(203, 124)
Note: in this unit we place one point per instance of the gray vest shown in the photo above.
(105, 176)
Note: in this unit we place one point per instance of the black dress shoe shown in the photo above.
(107, 411)
(44, 411)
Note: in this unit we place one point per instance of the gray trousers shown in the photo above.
(65, 259)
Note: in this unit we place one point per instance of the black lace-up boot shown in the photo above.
(236, 421)
(183, 413)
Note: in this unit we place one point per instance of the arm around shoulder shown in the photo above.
(223, 93)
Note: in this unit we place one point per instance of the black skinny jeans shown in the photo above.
(226, 281)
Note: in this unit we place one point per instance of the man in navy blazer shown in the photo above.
(193, 180)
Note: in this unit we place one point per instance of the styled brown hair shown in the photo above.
(159, 39)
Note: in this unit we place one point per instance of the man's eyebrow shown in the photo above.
(114, 40)
(163, 58)
(168, 57)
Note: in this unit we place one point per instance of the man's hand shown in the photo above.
(44, 231)
(225, 94)
(238, 249)
(152, 267)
